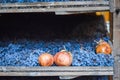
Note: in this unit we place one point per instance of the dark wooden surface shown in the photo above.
(52, 78)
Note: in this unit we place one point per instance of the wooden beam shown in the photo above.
(55, 71)
(116, 45)
(117, 4)
(83, 6)
(79, 9)
(99, 2)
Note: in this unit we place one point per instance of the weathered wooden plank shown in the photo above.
(116, 45)
(116, 34)
(82, 9)
(110, 78)
(112, 5)
(99, 2)
(54, 69)
(53, 73)
(111, 26)
(117, 4)
(55, 6)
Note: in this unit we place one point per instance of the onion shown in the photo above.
(46, 59)
(103, 47)
(63, 58)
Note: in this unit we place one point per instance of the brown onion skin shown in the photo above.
(103, 47)
(46, 59)
(63, 58)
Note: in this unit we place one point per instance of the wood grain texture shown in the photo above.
(117, 4)
(116, 44)
(83, 6)
(55, 71)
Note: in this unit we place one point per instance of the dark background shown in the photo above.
(53, 78)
